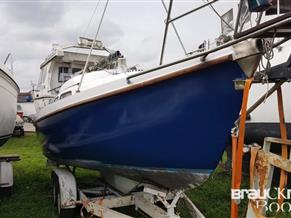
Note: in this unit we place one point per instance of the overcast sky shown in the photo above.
(29, 28)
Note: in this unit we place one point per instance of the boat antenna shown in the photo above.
(91, 49)
(175, 29)
(11, 61)
(91, 18)
(7, 57)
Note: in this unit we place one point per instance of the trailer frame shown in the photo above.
(102, 200)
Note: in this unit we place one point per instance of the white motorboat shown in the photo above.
(64, 63)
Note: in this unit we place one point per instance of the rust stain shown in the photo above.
(277, 162)
(262, 170)
(100, 201)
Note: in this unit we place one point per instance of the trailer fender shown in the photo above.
(6, 174)
(67, 187)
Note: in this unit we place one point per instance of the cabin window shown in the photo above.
(64, 74)
(75, 70)
(66, 94)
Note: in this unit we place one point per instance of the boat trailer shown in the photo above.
(102, 200)
(6, 174)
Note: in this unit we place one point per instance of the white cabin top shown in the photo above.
(66, 62)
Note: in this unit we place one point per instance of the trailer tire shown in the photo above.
(62, 212)
(54, 179)
(5, 192)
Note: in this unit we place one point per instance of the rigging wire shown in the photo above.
(175, 29)
(91, 18)
(91, 49)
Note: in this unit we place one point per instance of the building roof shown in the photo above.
(24, 97)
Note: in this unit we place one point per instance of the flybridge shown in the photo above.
(63, 63)
(82, 47)
(87, 42)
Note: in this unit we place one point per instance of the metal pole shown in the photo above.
(175, 29)
(281, 42)
(260, 18)
(166, 31)
(195, 9)
(221, 18)
(238, 17)
(205, 53)
(91, 49)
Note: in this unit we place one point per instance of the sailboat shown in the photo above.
(166, 126)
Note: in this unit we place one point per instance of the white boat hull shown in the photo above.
(8, 101)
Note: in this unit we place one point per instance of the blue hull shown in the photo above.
(177, 125)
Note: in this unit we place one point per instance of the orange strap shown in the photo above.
(241, 135)
(234, 206)
(238, 144)
(283, 175)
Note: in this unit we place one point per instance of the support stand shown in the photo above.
(6, 174)
(237, 148)
(238, 140)
(261, 175)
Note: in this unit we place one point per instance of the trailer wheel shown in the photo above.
(5, 192)
(54, 180)
(62, 212)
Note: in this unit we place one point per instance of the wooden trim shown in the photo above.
(178, 73)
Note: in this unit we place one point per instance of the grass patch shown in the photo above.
(32, 192)
(32, 186)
